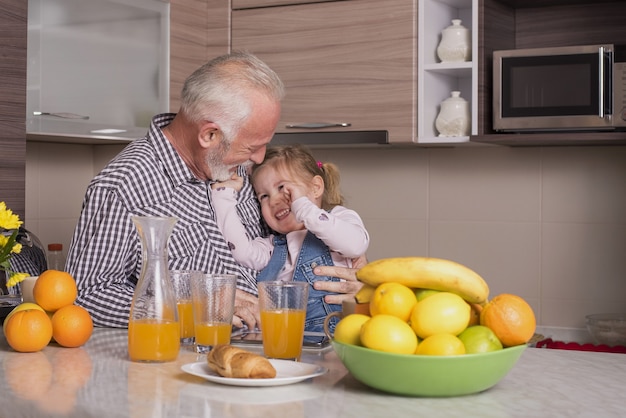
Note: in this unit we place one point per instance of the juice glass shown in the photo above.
(213, 298)
(283, 311)
(182, 287)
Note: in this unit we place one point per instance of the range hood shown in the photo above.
(324, 138)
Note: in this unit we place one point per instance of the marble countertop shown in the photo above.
(98, 380)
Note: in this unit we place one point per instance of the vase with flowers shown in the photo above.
(9, 227)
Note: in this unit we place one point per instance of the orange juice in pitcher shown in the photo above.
(153, 341)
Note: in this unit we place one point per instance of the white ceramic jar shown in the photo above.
(454, 116)
(456, 43)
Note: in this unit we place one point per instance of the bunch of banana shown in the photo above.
(423, 273)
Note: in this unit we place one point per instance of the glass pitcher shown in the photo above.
(153, 329)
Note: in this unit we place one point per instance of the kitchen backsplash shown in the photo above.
(546, 223)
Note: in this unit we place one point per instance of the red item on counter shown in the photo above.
(560, 345)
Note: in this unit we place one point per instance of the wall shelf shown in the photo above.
(437, 79)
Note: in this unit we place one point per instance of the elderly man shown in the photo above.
(229, 111)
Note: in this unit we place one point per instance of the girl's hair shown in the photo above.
(222, 88)
(299, 161)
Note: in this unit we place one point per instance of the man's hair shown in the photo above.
(222, 90)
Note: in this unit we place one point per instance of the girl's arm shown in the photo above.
(252, 253)
(341, 229)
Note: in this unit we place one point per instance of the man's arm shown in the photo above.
(103, 259)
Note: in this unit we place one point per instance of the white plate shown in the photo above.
(287, 372)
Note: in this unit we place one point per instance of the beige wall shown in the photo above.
(546, 223)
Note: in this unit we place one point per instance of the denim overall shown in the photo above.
(313, 253)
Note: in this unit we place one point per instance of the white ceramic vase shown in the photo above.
(456, 43)
(454, 116)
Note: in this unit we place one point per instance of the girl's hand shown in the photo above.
(294, 191)
(235, 182)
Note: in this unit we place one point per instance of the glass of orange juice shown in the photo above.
(182, 287)
(283, 311)
(213, 299)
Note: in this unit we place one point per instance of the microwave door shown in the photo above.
(555, 91)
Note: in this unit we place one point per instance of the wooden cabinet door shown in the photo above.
(351, 62)
(199, 31)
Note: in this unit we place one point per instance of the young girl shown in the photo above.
(301, 202)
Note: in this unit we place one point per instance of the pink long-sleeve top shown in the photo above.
(341, 229)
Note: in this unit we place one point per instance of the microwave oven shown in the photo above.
(575, 88)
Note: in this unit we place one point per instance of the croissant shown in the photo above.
(229, 361)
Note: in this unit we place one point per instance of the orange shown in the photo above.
(511, 318)
(20, 307)
(388, 333)
(441, 313)
(393, 299)
(54, 289)
(28, 331)
(71, 326)
(441, 345)
(474, 314)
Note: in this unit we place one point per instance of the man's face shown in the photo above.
(250, 142)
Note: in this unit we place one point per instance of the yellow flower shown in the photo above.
(17, 248)
(8, 220)
(16, 278)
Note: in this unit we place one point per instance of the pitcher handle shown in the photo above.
(327, 322)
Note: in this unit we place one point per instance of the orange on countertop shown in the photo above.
(71, 326)
(55, 289)
(28, 331)
(511, 318)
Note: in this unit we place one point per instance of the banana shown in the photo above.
(428, 273)
(365, 294)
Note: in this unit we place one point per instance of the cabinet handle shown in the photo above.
(318, 125)
(63, 115)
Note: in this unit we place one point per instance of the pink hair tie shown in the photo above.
(320, 164)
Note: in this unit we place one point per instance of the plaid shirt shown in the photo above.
(148, 178)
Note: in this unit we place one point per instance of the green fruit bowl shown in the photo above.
(421, 375)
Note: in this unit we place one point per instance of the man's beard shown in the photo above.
(215, 162)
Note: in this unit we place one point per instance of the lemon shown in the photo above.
(441, 313)
(393, 299)
(348, 330)
(388, 333)
(441, 345)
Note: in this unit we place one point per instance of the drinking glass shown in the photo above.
(182, 287)
(213, 298)
(283, 312)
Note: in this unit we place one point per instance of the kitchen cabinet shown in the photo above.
(193, 30)
(199, 31)
(438, 79)
(13, 14)
(98, 67)
(351, 64)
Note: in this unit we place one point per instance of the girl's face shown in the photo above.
(276, 188)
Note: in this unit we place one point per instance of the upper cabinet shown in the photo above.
(96, 68)
(348, 65)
